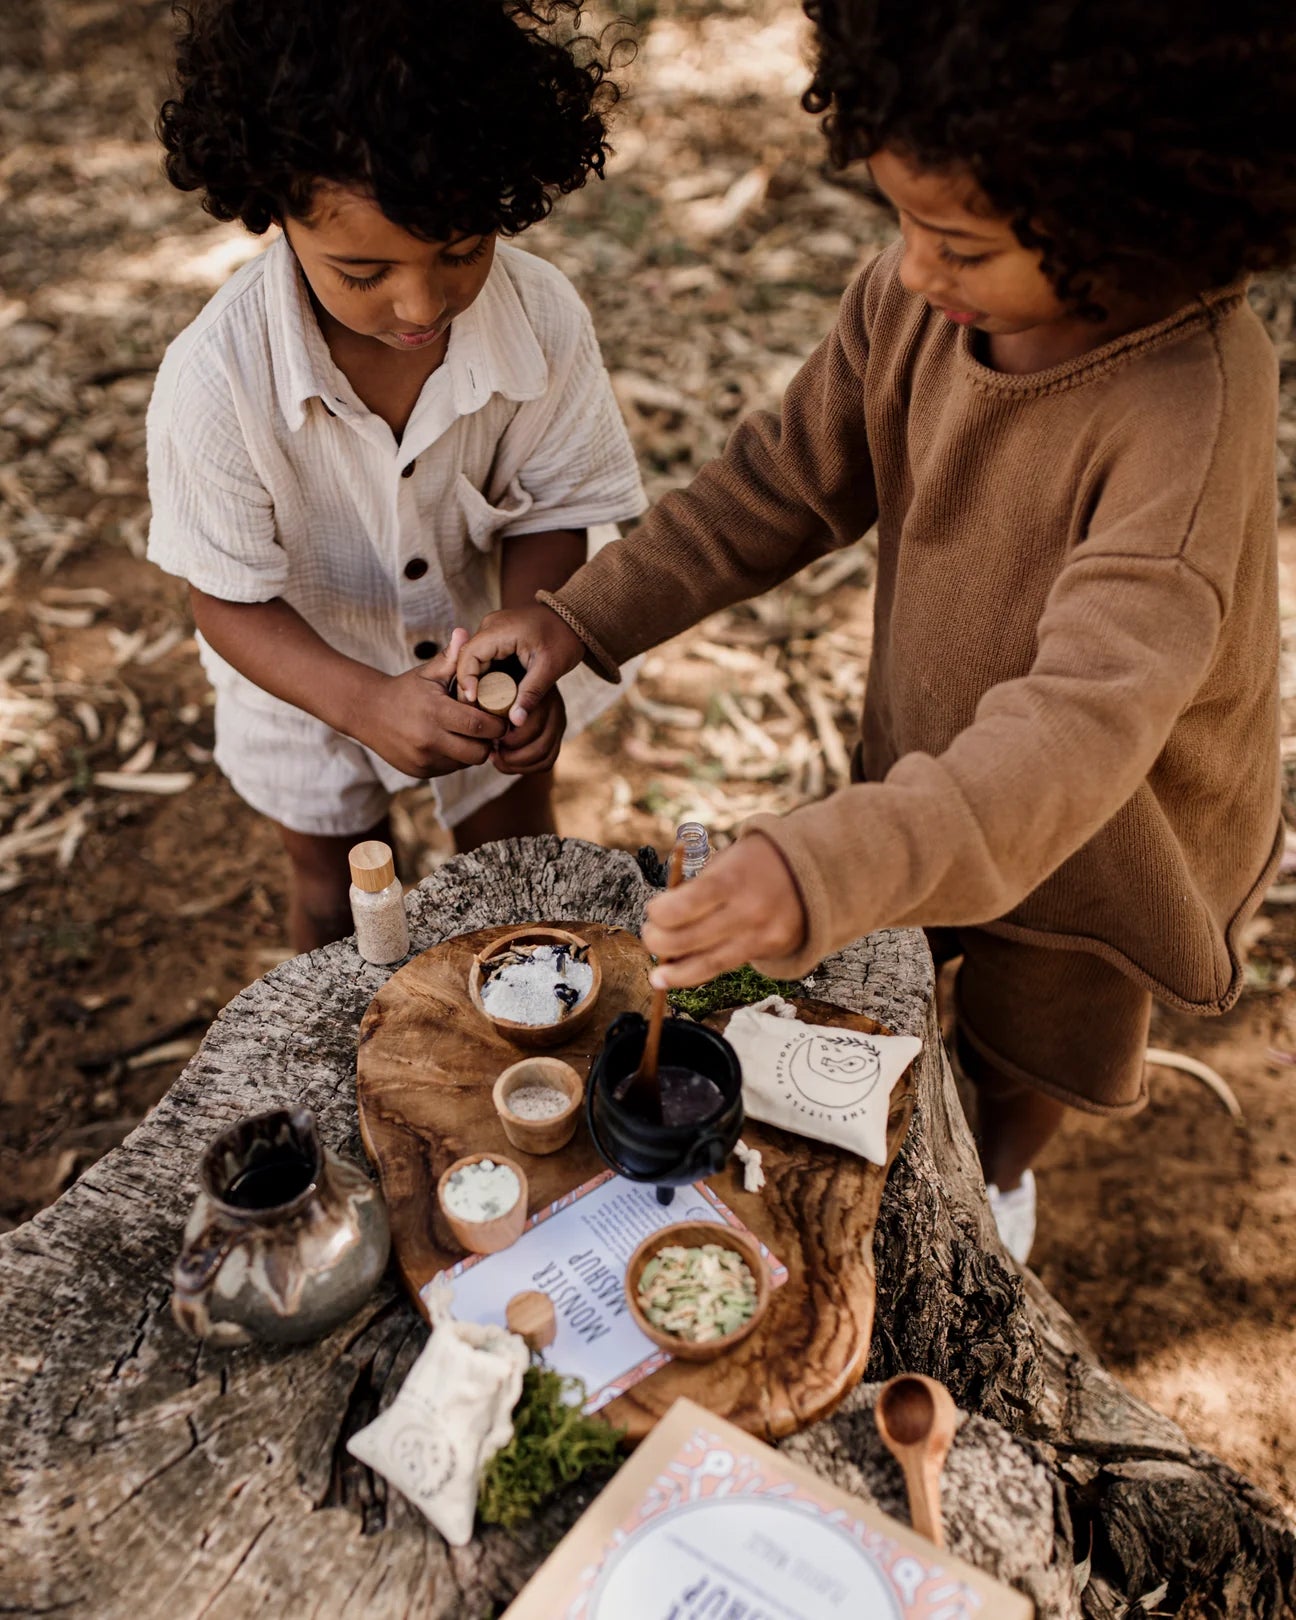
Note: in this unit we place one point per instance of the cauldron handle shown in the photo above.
(622, 1022)
(706, 1157)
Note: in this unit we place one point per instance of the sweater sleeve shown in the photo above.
(789, 487)
(1129, 631)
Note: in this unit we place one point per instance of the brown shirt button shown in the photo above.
(416, 567)
(406, 472)
(423, 650)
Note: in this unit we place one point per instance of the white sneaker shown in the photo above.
(1014, 1215)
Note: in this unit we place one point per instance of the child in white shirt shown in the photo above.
(388, 424)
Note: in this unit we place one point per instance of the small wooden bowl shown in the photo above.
(540, 1135)
(692, 1235)
(486, 1237)
(537, 1035)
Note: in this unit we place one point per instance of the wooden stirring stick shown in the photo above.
(641, 1092)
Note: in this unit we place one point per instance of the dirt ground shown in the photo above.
(137, 894)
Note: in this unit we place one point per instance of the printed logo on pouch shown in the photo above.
(829, 1076)
(426, 1461)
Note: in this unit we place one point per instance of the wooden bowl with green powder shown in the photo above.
(697, 1288)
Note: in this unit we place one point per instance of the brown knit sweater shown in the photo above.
(1071, 727)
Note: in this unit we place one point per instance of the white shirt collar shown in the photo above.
(493, 347)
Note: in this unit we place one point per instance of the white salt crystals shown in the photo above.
(537, 984)
(481, 1191)
(537, 1101)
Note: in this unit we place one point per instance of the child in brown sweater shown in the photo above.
(1055, 403)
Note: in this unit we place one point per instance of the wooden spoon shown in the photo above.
(641, 1092)
(916, 1418)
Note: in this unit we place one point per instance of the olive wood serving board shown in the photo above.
(425, 1068)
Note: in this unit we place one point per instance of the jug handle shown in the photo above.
(199, 1261)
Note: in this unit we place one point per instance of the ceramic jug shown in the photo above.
(285, 1239)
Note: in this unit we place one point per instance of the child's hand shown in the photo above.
(415, 725)
(545, 643)
(533, 746)
(744, 906)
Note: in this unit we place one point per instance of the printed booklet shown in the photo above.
(706, 1523)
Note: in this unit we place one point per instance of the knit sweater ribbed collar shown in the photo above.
(1097, 363)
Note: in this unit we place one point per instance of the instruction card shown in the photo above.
(706, 1523)
(576, 1251)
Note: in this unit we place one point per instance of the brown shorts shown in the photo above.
(1064, 1022)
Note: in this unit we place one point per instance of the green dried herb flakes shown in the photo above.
(699, 1293)
(553, 1444)
(737, 989)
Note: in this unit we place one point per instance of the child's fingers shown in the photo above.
(690, 903)
(442, 667)
(686, 971)
(535, 725)
(475, 656)
(527, 756)
(477, 653)
(745, 905)
(540, 679)
(461, 750)
(538, 756)
(464, 720)
(669, 944)
(692, 917)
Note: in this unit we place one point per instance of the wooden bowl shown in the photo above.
(537, 1035)
(540, 1135)
(486, 1237)
(692, 1235)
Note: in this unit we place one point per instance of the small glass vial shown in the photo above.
(377, 904)
(697, 846)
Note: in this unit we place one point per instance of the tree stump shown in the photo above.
(144, 1475)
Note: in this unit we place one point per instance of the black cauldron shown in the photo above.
(669, 1156)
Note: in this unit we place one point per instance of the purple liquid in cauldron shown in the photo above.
(687, 1098)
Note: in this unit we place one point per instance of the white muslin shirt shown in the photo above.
(268, 477)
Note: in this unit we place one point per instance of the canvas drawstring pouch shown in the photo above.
(450, 1417)
(833, 1085)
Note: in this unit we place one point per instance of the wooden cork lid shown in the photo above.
(496, 692)
(372, 866)
(531, 1317)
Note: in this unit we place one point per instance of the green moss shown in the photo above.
(553, 1444)
(737, 989)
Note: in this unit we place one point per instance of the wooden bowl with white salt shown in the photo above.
(523, 982)
(538, 1102)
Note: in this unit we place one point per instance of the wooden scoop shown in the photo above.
(916, 1418)
(641, 1093)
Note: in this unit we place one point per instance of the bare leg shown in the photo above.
(1014, 1121)
(525, 811)
(320, 909)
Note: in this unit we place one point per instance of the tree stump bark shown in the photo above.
(143, 1475)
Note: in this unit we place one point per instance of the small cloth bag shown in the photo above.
(833, 1085)
(453, 1413)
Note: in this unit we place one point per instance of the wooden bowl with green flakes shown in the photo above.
(688, 1292)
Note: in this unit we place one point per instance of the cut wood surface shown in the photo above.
(144, 1477)
(425, 1069)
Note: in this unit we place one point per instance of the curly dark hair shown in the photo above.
(458, 117)
(1139, 145)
